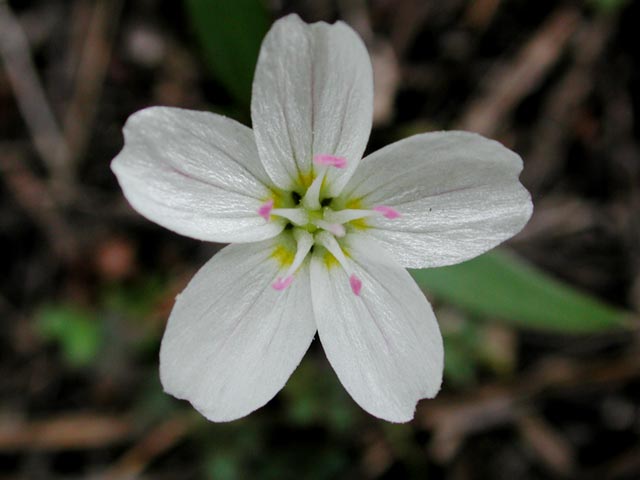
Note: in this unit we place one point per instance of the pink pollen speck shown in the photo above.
(282, 283)
(356, 284)
(388, 212)
(265, 209)
(323, 159)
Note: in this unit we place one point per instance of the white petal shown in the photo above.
(384, 344)
(232, 341)
(195, 173)
(312, 94)
(458, 195)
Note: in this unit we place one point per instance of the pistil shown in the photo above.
(304, 242)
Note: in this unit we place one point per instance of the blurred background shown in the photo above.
(542, 372)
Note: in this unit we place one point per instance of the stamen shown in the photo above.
(356, 284)
(344, 216)
(282, 282)
(297, 216)
(388, 212)
(330, 243)
(311, 199)
(265, 209)
(336, 228)
(330, 160)
(304, 242)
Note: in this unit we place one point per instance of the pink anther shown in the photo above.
(330, 160)
(337, 229)
(265, 209)
(356, 284)
(388, 212)
(282, 283)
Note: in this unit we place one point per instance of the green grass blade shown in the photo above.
(230, 33)
(499, 284)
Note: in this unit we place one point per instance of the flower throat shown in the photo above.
(313, 222)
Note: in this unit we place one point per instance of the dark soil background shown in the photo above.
(87, 284)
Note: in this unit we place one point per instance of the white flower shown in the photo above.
(320, 239)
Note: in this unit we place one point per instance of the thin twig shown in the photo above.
(70, 431)
(153, 444)
(453, 418)
(552, 448)
(38, 202)
(30, 96)
(90, 76)
(562, 103)
(506, 86)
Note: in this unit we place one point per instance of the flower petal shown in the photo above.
(232, 341)
(383, 342)
(195, 173)
(312, 95)
(457, 193)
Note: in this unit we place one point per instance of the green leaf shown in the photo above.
(230, 33)
(224, 466)
(78, 333)
(459, 363)
(498, 284)
(608, 6)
